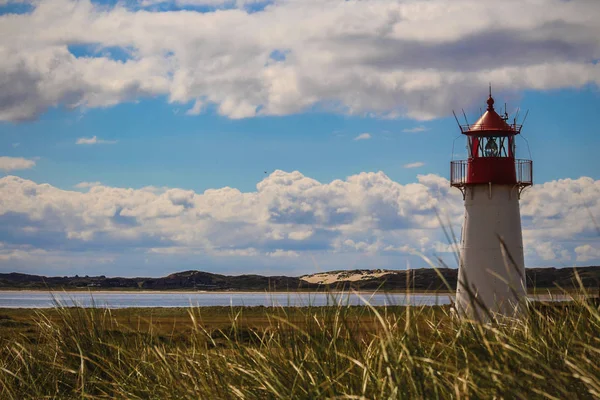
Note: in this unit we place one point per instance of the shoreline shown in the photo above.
(221, 292)
(539, 295)
(530, 292)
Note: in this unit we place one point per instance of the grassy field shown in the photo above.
(312, 352)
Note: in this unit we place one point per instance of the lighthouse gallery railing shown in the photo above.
(523, 169)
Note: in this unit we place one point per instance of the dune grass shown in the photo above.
(311, 352)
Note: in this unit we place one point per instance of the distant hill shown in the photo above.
(418, 279)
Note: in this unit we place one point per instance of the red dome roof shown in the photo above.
(490, 121)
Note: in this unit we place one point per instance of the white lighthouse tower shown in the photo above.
(491, 277)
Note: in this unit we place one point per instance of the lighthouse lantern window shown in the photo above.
(494, 146)
(491, 148)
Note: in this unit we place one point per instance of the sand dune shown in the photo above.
(344, 276)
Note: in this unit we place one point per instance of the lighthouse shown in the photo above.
(491, 276)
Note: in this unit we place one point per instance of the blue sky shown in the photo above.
(171, 99)
(158, 146)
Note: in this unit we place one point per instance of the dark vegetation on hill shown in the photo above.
(419, 279)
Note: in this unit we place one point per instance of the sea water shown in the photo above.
(47, 299)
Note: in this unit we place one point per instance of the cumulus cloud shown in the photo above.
(549, 251)
(383, 58)
(217, 4)
(290, 216)
(87, 185)
(414, 165)
(14, 163)
(416, 129)
(363, 136)
(558, 217)
(283, 253)
(300, 235)
(94, 140)
(587, 252)
(553, 201)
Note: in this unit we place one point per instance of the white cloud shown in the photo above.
(288, 215)
(14, 163)
(549, 251)
(87, 185)
(94, 140)
(440, 247)
(382, 58)
(300, 235)
(414, 165)
(365, 220)
(283, 253)
(62, 260)
(400, 249)
(248, 252)
(416, 129)
(363, 136)
(206, 3)
(587, 253)
(547, 203)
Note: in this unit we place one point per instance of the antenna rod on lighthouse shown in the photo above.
(456, 118)
(465, 115)
(525, 118)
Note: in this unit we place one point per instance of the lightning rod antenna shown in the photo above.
(457, 121)
(524, 118)
(465, 115)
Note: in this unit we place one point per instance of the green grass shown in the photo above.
(310, 352)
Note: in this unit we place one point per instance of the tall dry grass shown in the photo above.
(320, 352)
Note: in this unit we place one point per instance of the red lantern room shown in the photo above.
(491, 152)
